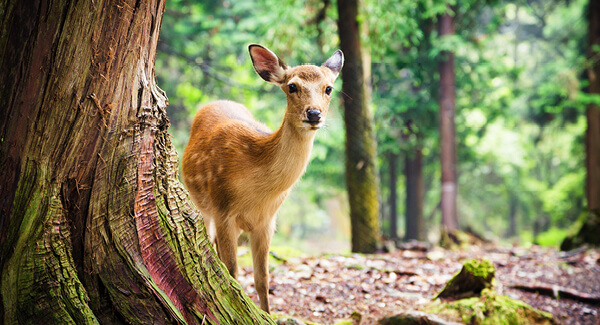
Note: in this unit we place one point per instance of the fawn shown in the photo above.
(238, 172)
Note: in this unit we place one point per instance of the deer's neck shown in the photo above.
(289, 155)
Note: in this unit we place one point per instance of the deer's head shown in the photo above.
(308, 87)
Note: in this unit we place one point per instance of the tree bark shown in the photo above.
(361, 173)
(94, 225)
(447, 129)
(592, 135)
(415, 228)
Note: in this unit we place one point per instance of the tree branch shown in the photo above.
(205, 67)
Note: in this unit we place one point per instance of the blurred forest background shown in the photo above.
(520, 107)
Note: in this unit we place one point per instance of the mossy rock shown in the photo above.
(584, 231)
(474, 276)
(491, 308)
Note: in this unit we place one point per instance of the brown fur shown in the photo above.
(238, 173)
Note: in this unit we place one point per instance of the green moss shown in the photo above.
(283, 252)
(474, 276)
(481, 268)
(491, 308)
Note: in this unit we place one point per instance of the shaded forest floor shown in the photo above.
(329, 288)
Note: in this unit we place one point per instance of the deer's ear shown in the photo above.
(335, 62)
(268, 65)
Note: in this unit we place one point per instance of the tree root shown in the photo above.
(558, 292)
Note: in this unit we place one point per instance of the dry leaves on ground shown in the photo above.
(328, 288)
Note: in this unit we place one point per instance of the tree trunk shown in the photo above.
(393, 199)
(512, 214)
(447, 129)
(414, 195)
(94, 225)
(592, 135)
(361, 173)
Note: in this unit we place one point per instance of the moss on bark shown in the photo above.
(584, 232)
(361, 168)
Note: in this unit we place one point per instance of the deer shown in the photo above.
(238, 172)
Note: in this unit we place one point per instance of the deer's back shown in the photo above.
(224, 153)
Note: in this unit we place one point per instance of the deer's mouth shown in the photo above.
(312, 125)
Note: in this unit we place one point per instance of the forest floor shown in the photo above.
(328, 288)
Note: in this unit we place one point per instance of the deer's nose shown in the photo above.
(313, 116)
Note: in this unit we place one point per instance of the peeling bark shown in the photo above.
(94, 225)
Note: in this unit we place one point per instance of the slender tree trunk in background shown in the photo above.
(592, 135)
(94, 225)
(415, 228)
(512, 217)
(361, 173)
(447, 129)
(393, 199)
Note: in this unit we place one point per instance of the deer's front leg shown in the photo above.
(227, 236)
(260, 240)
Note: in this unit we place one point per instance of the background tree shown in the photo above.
(413, 165)
(585, 230)
(592, 136)
(447, 127)
(361, 164)
(404, 99)
(95, 227)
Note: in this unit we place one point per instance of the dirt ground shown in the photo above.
(328, 288)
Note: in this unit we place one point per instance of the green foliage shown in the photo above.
(552, 237)
(560, 201)
(519, 94)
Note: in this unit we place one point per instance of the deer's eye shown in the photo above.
(328, 90)
(293, 88)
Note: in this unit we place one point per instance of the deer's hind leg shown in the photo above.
(227, 237)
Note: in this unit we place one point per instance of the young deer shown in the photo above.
(238, 172)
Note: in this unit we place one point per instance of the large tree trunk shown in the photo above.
(94, 225)
(361, 173)
(592, 135)
(447, 129)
